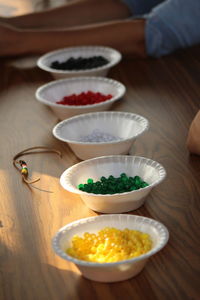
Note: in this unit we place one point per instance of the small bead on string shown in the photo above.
(21, 165)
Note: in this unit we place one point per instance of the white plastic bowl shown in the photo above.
(111, 272)
(126, 126)
(54, 91)
(112, 55)
(150, 171)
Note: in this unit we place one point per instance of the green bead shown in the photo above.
(103, 179)
(124, 179)
(127, 186)
(144, 184)
(90, 180)
(98, 183)
(132, 188)
(137, 181)
(96, 192)
(122, 174)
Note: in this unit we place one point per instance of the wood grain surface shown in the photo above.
(167, 92)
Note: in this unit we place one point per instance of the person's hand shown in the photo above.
(193, 139)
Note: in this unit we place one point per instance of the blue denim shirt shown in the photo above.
(170, 24)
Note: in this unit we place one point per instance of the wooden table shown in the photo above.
(167, 92)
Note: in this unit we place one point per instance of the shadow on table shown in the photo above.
(82, 288)
(22, 69)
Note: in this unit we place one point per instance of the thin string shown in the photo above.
(21, 165)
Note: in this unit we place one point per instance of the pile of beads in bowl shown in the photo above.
(84, 98)
(113, 185)
(80, 63)
(97, 136)
(110, 245)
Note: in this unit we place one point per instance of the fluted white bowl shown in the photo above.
(150, 171)
(54, 91)
(117, 271)
(125, 126)
(112, 55)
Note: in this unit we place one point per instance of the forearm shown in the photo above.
(193, 140)
(74, 13)
(126, 36)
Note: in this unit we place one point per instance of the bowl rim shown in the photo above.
(163, 229)
(135, 117)
(41, 65)
(75, 190)
(110, 81)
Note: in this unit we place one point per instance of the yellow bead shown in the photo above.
(24, 171)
